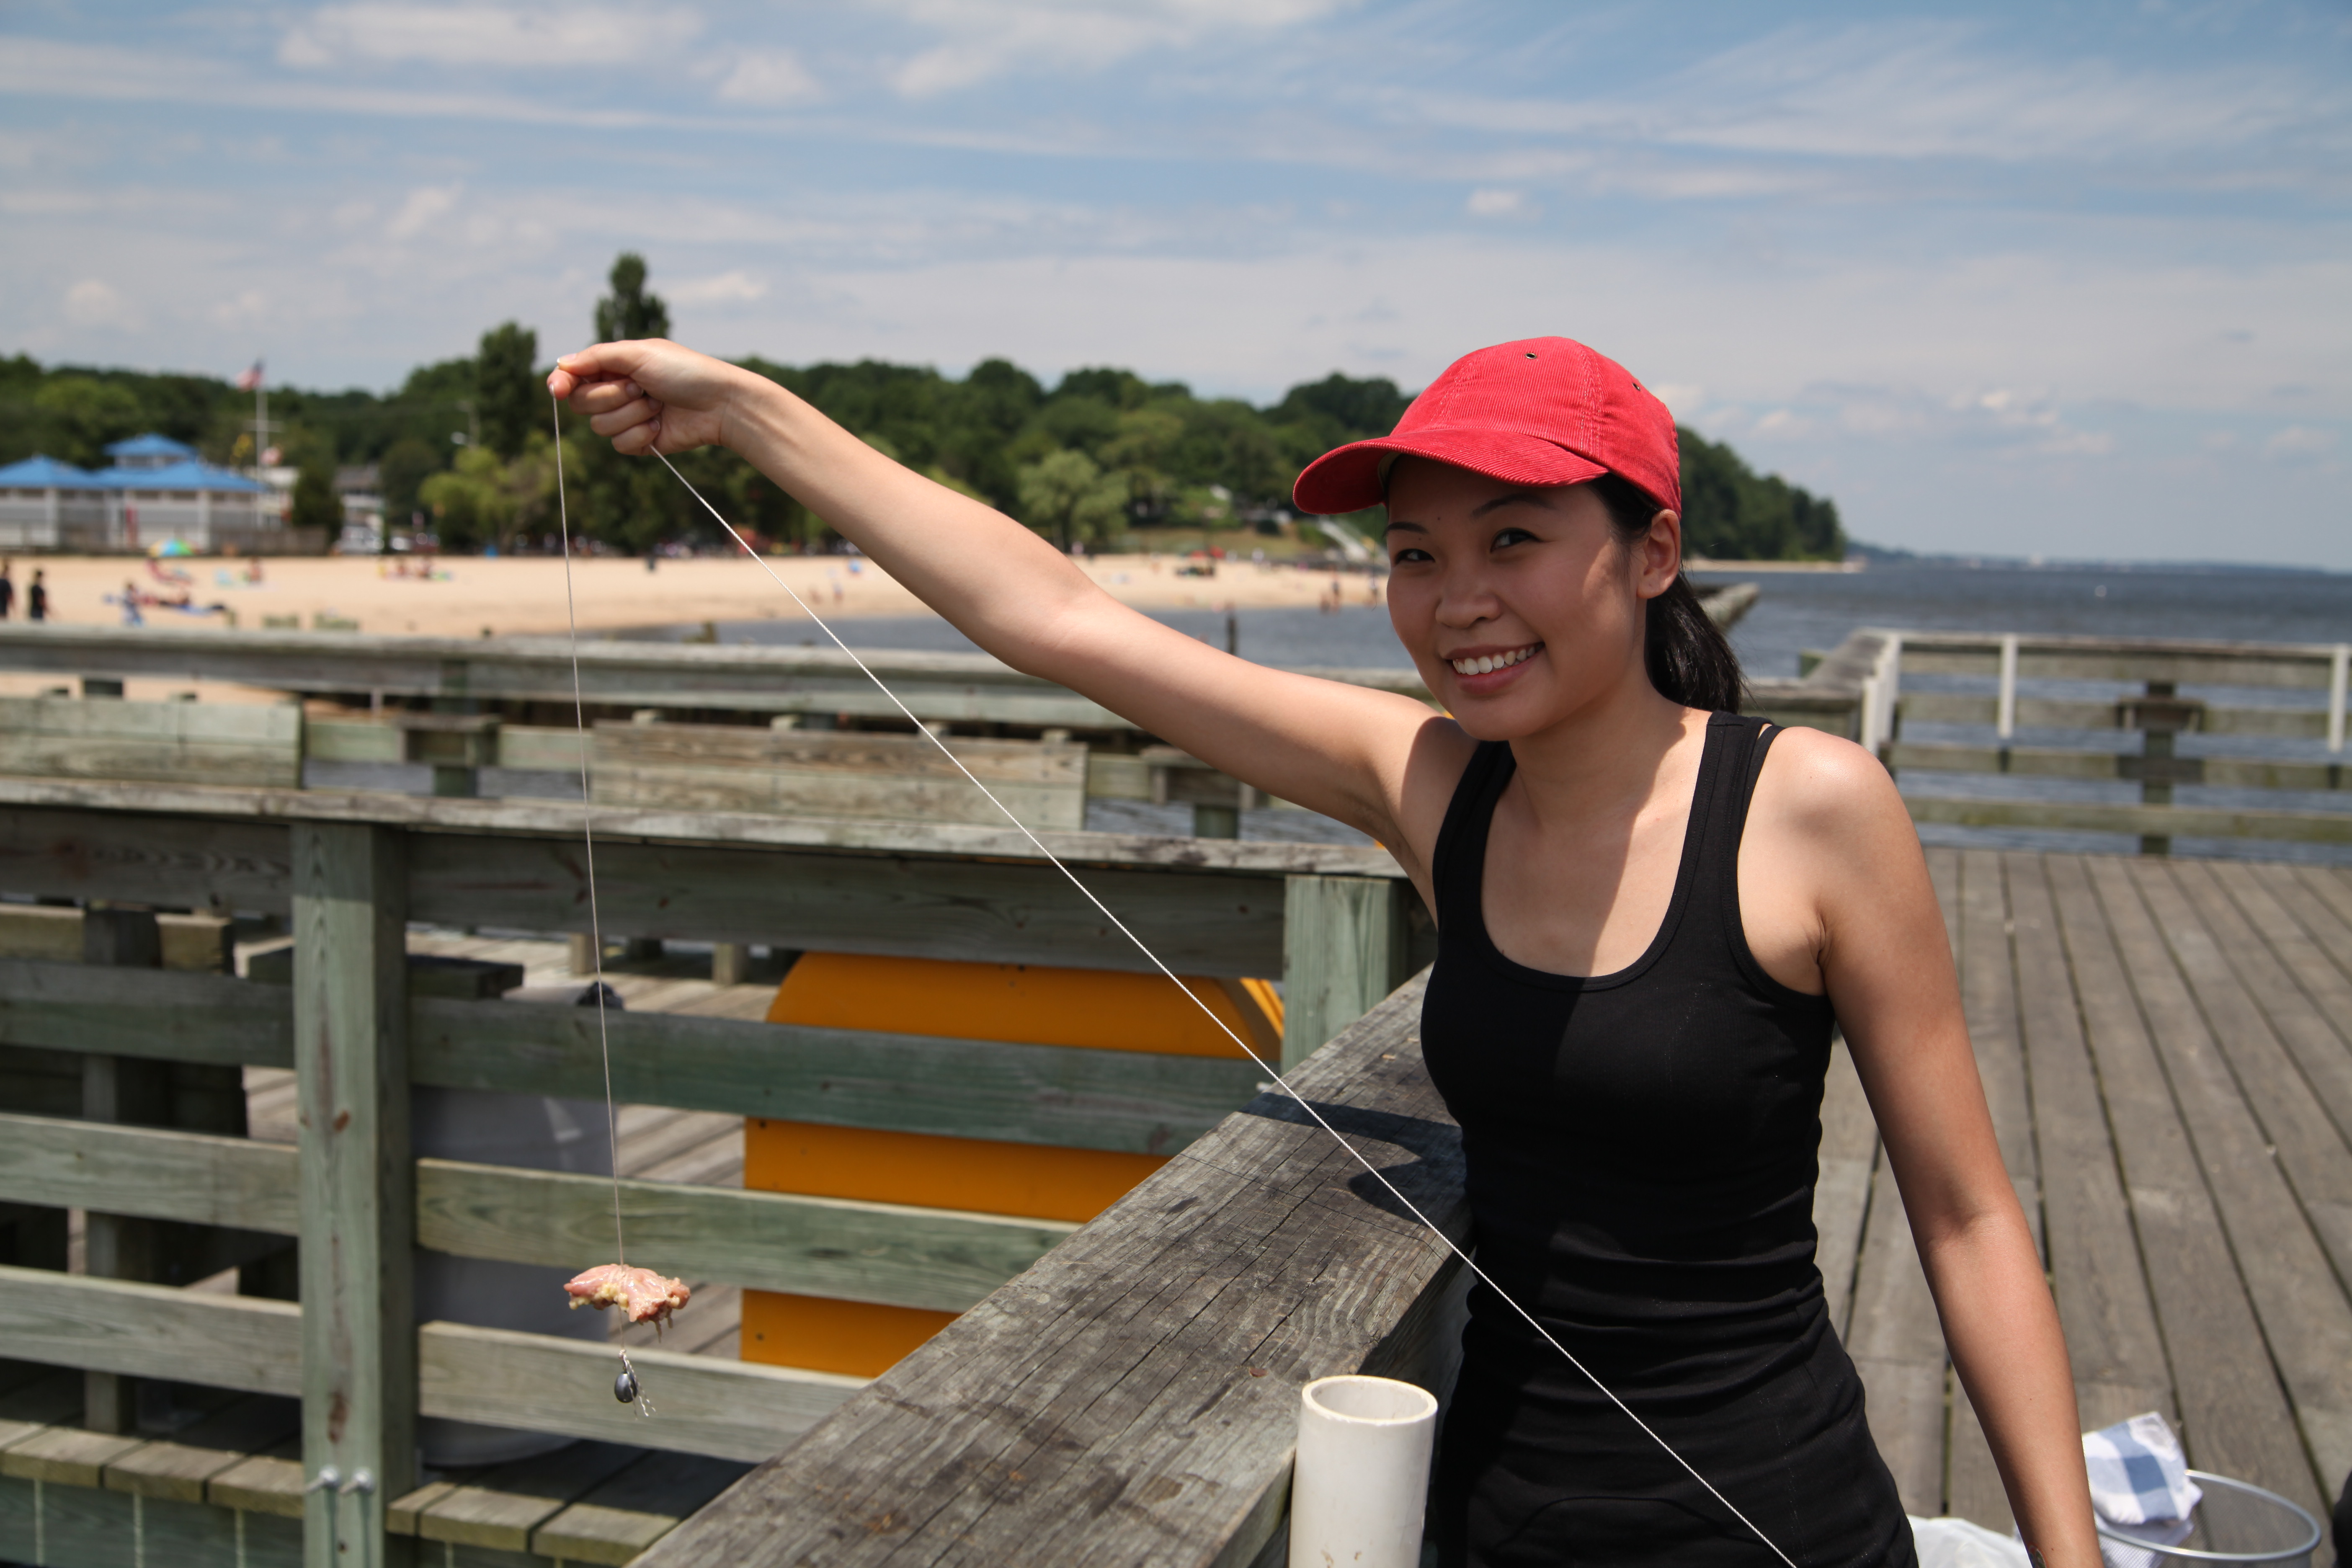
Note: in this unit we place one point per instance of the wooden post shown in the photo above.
(731, 963)
(359, 1196)
(119, 1089)
(1343, 949)
(2155, 744)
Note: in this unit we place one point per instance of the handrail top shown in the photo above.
(2320, 655)
(561, 819)
(151, 645)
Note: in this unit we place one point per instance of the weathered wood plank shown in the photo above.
(1138, 1102)
(2103, 1294)
(358, 1177)
(2290, 1124)
(65, 1456)
(150, 1172)
(2239, 773)
(620, 1517)
(152, 1331)
(1132, 1398)
(2158, 821)
(145, 859)
(500, 1509)
(180, 1468)
(57, 808)
(933, 907)
(729, 1410)
(2234, 1415)
(1133, 1100)
(2210, 1204)
(86, 1526)
(2328, 895)
(1343, 950)
(2275, 907)
(2053, 713)
(2197, 661)
(144, 1013)
(1047, 808)
(821, 1247)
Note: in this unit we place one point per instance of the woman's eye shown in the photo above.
(1511, 536)
(1410, 557)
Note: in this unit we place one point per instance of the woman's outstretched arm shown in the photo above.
(1341, 749)
(1887, 962)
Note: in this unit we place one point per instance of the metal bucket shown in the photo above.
(2237, 1523)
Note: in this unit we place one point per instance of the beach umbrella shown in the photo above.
(171, 547)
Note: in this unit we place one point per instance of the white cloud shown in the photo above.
(770, 78)
(425, 203)
(1495, 203)
(988, 38)
(542, 36)
(94, 303)
(2299, 444)
(727, 288)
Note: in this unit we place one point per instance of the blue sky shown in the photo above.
(2072, 280)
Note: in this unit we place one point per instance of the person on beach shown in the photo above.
(7, 588)
(1652, 913)
(36, 596)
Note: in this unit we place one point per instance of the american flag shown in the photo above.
(250, 380)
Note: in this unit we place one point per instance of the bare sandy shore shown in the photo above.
(469, 596)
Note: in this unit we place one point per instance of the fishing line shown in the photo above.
(1088, 893)
(627, 1386)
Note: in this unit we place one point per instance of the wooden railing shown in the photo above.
(349, 871)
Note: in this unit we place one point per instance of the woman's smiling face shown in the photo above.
(1520, 605)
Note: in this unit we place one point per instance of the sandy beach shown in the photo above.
(470, 596)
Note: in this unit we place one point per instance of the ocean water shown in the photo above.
(1796, 611)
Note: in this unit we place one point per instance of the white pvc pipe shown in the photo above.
(1361, 1481)
(2005, 719)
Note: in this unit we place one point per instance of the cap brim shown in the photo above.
(1348, 479)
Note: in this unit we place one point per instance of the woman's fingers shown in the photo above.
(626, 416)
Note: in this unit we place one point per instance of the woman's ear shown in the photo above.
(1658, 555)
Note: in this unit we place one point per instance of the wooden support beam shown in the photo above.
(359, 1200)
(116, 1089)
(1133, 1100)
(152, 1172)
(2147, 821)
(729, 1410)
(1138, 1102)
(1343, 941)
(887, 1253)
(152, 1331)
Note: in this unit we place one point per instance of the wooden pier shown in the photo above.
(2166, 1045)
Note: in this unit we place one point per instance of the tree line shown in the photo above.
(469, 444)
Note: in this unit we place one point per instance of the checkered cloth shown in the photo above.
(2140, 1488)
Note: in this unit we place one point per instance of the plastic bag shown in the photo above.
(1956, 1543)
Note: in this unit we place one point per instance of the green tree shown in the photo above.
(506, 392)
(315, 502)
(79, 414)
(405, 464)
(1066, 496)
(1730, 512)
(629, 311)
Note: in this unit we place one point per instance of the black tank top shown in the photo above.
(1642, 1152)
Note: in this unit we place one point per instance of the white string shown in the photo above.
(1279, 1081)
(588, 838)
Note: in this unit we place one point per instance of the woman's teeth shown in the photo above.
(1488, 663)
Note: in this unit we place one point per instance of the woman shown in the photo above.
(1650, 910)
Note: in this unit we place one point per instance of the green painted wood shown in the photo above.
(1344, 949)
(359, 1200)
(935, 907)
(85, 1527)
(904, 1256)
(2145, 821)
(160, 1014)
(203, 864)
(151, 1171)
(1142, 1102)
(221, 744)
(703, 1405)
(352, 741)
(152, 1331)
(2047, 763)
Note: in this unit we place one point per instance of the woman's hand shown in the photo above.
(649, 395)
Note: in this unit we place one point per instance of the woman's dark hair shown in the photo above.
(1688, 659)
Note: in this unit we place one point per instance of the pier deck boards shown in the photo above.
(2167, 1047)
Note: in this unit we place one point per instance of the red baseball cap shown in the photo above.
(1540, 411)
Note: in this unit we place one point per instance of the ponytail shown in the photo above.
(1689, 659)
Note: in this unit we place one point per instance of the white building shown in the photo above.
(157, 490)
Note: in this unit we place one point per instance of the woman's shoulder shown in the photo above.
(1824, 787)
